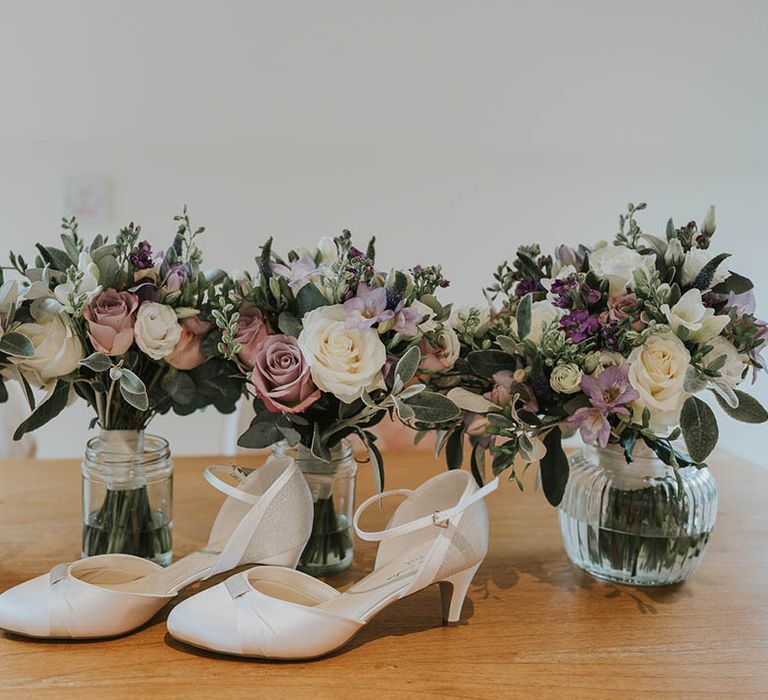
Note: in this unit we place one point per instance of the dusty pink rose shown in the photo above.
(281, 376)
(616, 306)
(252, 329)
(110, 317)
(187, 353)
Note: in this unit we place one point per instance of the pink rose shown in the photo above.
(110, 318)
(187, 354)
(252, 329)
(616, 312)
(281, 376)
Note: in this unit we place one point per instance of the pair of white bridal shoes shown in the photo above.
(438, 534)
(266, 519)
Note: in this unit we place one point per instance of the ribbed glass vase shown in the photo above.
(631, 523)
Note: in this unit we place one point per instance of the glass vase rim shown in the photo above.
(340, 452)
(154, 449)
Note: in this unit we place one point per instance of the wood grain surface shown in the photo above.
(533, 625)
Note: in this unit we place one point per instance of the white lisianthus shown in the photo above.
(617, 263)
(695, 259)
(343, 361)
(88, 288)
(731, 373)
(657, 372)
(328, 250)
(690, 313)
(543, 313)
(57, 348)
(156, 330)
(566, 378)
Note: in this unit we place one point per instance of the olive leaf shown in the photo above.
(97, 361)
(748, 410)
(430, 407)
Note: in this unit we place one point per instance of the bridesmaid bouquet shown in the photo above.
(124, 327)
(619, 341)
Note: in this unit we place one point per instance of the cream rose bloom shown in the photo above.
(343, 361)
(617, 263)
(57, 349)
(695, 259)
(543, 313)
(156, 330)
(657, 372)
(731, 372)
(690, 313)
(566, 379)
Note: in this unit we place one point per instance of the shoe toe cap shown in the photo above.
(24, 608)
(207, 620)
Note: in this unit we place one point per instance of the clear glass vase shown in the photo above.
(127, 495)
(329, 549)
(631, 523)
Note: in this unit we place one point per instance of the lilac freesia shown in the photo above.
(407, 320)
(368, 307)
(298, 273)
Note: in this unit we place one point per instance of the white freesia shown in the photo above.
(695, 259)
(87, 289)
(343, 361)
(616, 263)
(657, 371)
(731, 373)
(566, 378)
(690, 313)
(57, 348)
(543, 313)
(329, 253)
(156, 330)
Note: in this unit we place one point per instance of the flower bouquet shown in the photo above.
(618, 341)
(129, 331)
(328, 346)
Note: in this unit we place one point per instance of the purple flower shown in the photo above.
(592, 425)
(298, 273)
(174, 275)
(368, 307)
(579, 325)
(566, 255)
(141, 258)
(526, 285)
(505, 388)
(611, 390)
(407, 320)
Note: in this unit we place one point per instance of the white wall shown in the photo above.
(452, 130)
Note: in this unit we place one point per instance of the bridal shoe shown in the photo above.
(438, 534)
(266, 519)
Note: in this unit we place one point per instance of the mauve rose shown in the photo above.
(252, 329)
(616, 306)
(187, 354)
(281, 376)
(110, 317)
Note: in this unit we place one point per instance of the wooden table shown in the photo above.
(533, 625)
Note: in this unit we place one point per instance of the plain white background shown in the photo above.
(453, 131)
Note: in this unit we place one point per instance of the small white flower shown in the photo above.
(566, 378)
(89, 286)
(617, 263)
(733, 369)
(690, 313)
(329, 253)
(156, 330)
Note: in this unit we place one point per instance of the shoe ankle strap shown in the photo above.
(440, 518)
(219, 484)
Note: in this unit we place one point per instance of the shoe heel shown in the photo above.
(289, 558)
(453, 590)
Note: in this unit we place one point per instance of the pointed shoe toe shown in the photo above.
(206, 620)
(23, 608)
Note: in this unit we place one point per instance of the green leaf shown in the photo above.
(454, 450)
(28, 393)
(738, 284)
(477, 463)
(377, 461)
(97, 362)
(131, 383)
(749, 410)
(694, 382)
(138, 400)
(506, 344)
(699, 426)
(16, 345)
(261, 433)
(289, 324)
(308, 299)
(554, 468)
(487, 362)
(430, 407)
(108, 270)
(3, 391)
(180, 387)
(670, 230)
(408, 364)
(46, 411)
(524, 316)
(319, 449)
(55, 257)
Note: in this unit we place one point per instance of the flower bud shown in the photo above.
(674, 255)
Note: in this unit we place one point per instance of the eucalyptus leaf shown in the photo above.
(699, 427)
(260, 434)
(180, 387)
(749, 410)
(98, 362)
(16, 345)
(309, 298)
(738, 284)
(524, 316)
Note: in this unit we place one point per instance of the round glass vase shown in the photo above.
(329, 549)
(128, 495)
(632, 523)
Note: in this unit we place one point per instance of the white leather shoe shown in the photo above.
(267, 519)
(438, 534)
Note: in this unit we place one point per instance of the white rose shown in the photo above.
(731, 373)
(606, 359)
(428, 324)
(343, 361)
(690, 313)
(695, 259)
(89, 285)
(616, 263)
(157, 330)
(566, 379)
(657, 371)
(57, 348)
(543, 313)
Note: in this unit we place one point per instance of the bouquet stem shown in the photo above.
(329, 548)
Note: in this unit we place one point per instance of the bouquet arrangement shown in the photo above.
(328, 345)
(619, 341)
(125, 328)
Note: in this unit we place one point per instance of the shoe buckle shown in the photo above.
(237, 586)
(58, 573)
(440, 520)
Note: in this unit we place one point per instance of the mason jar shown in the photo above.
(128, 495)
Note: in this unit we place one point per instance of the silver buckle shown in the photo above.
(440, 522)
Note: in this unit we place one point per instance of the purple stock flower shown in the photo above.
(141, 258)
(579, 325)
(526, 285)
(368, 307)
(567, 292)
